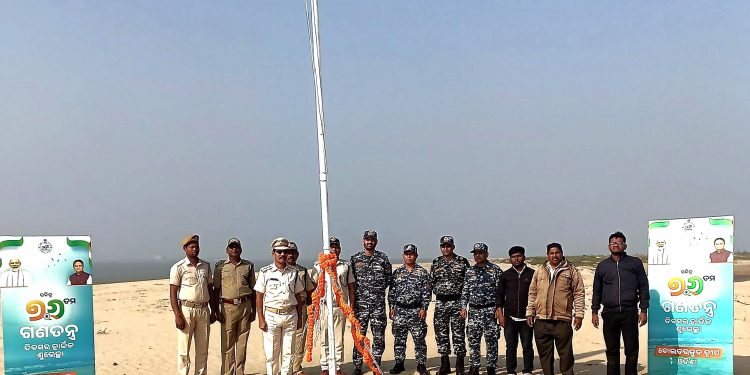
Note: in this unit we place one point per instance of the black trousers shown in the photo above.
(514, 330)
(551, 334)
(616, 324)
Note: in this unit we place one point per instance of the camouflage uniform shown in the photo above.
(373, 275)
(409, 293)
(479, 292)
(447, 281)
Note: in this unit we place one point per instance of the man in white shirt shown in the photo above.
(346, 284)
(280, 306)
(16, 277)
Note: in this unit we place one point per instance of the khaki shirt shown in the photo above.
(307, 282)
(345, 277)
(279, 288)
(192, 280)
(234, 281)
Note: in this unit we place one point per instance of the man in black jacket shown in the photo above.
(620, 283)
(512, 298)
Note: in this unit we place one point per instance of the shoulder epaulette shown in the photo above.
(266, 268)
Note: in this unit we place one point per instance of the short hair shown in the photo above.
(516, 250)
(617, 234)
(554, 244)
(78, 260)
(719, 238)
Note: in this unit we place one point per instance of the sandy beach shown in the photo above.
(135, 334)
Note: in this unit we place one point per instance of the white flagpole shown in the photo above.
(315, 47)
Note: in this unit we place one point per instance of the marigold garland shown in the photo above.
(361, 342)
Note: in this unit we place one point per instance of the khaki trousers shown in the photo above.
(277, 342)
(298, 344)
(196, 326)
(236, 328)
(339, 324)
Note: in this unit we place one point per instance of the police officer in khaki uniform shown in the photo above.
(298, 346)
(280, 306)
(346, 284)
(234, 279)
(191, 293)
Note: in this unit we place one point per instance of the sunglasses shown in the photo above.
(281, 251)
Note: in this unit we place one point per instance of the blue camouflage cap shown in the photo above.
(479, 246)
(410, 247)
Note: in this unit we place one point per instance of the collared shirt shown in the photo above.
(481, 284)
(410, 287)
(447, 276)
(304, 274)
(552, 270)
(374, 274)
(10, 279)
(344, 275)
(192, 280)
(279, 287)
(234, 281)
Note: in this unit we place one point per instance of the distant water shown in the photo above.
(115, 272)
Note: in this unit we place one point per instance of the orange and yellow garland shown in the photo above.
(361, 342)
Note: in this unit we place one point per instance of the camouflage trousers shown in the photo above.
(407, 320)
(482, 321)
(447, 315)
(377, 325)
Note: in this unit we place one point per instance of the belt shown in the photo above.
(413, 305)
(236, 301)
(285, 311)
(448, 297)
(473, 306)
(194, 304)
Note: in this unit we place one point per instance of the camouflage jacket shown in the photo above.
(447, 277)
(373, 275)
(481, 285)
(410, 289)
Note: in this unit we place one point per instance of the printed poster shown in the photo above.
(47, 305)
(691, 314)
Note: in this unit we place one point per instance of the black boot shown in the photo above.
(473, 370)
(357, 371)
(490, 371)
(398, 368)
(445, 365)
(460, 365)
(422, 370)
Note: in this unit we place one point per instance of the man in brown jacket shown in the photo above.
(556, 297)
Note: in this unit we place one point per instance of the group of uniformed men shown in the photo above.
(540, 304)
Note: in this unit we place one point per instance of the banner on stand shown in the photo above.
(47, 305)
(691, 276)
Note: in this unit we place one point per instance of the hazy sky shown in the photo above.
(505, 122)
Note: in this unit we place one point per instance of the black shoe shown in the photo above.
(357, 371)
(473, 370)
(490, 371)
(445, 365)
(422, 370)
(460, 365)
(398, 368)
